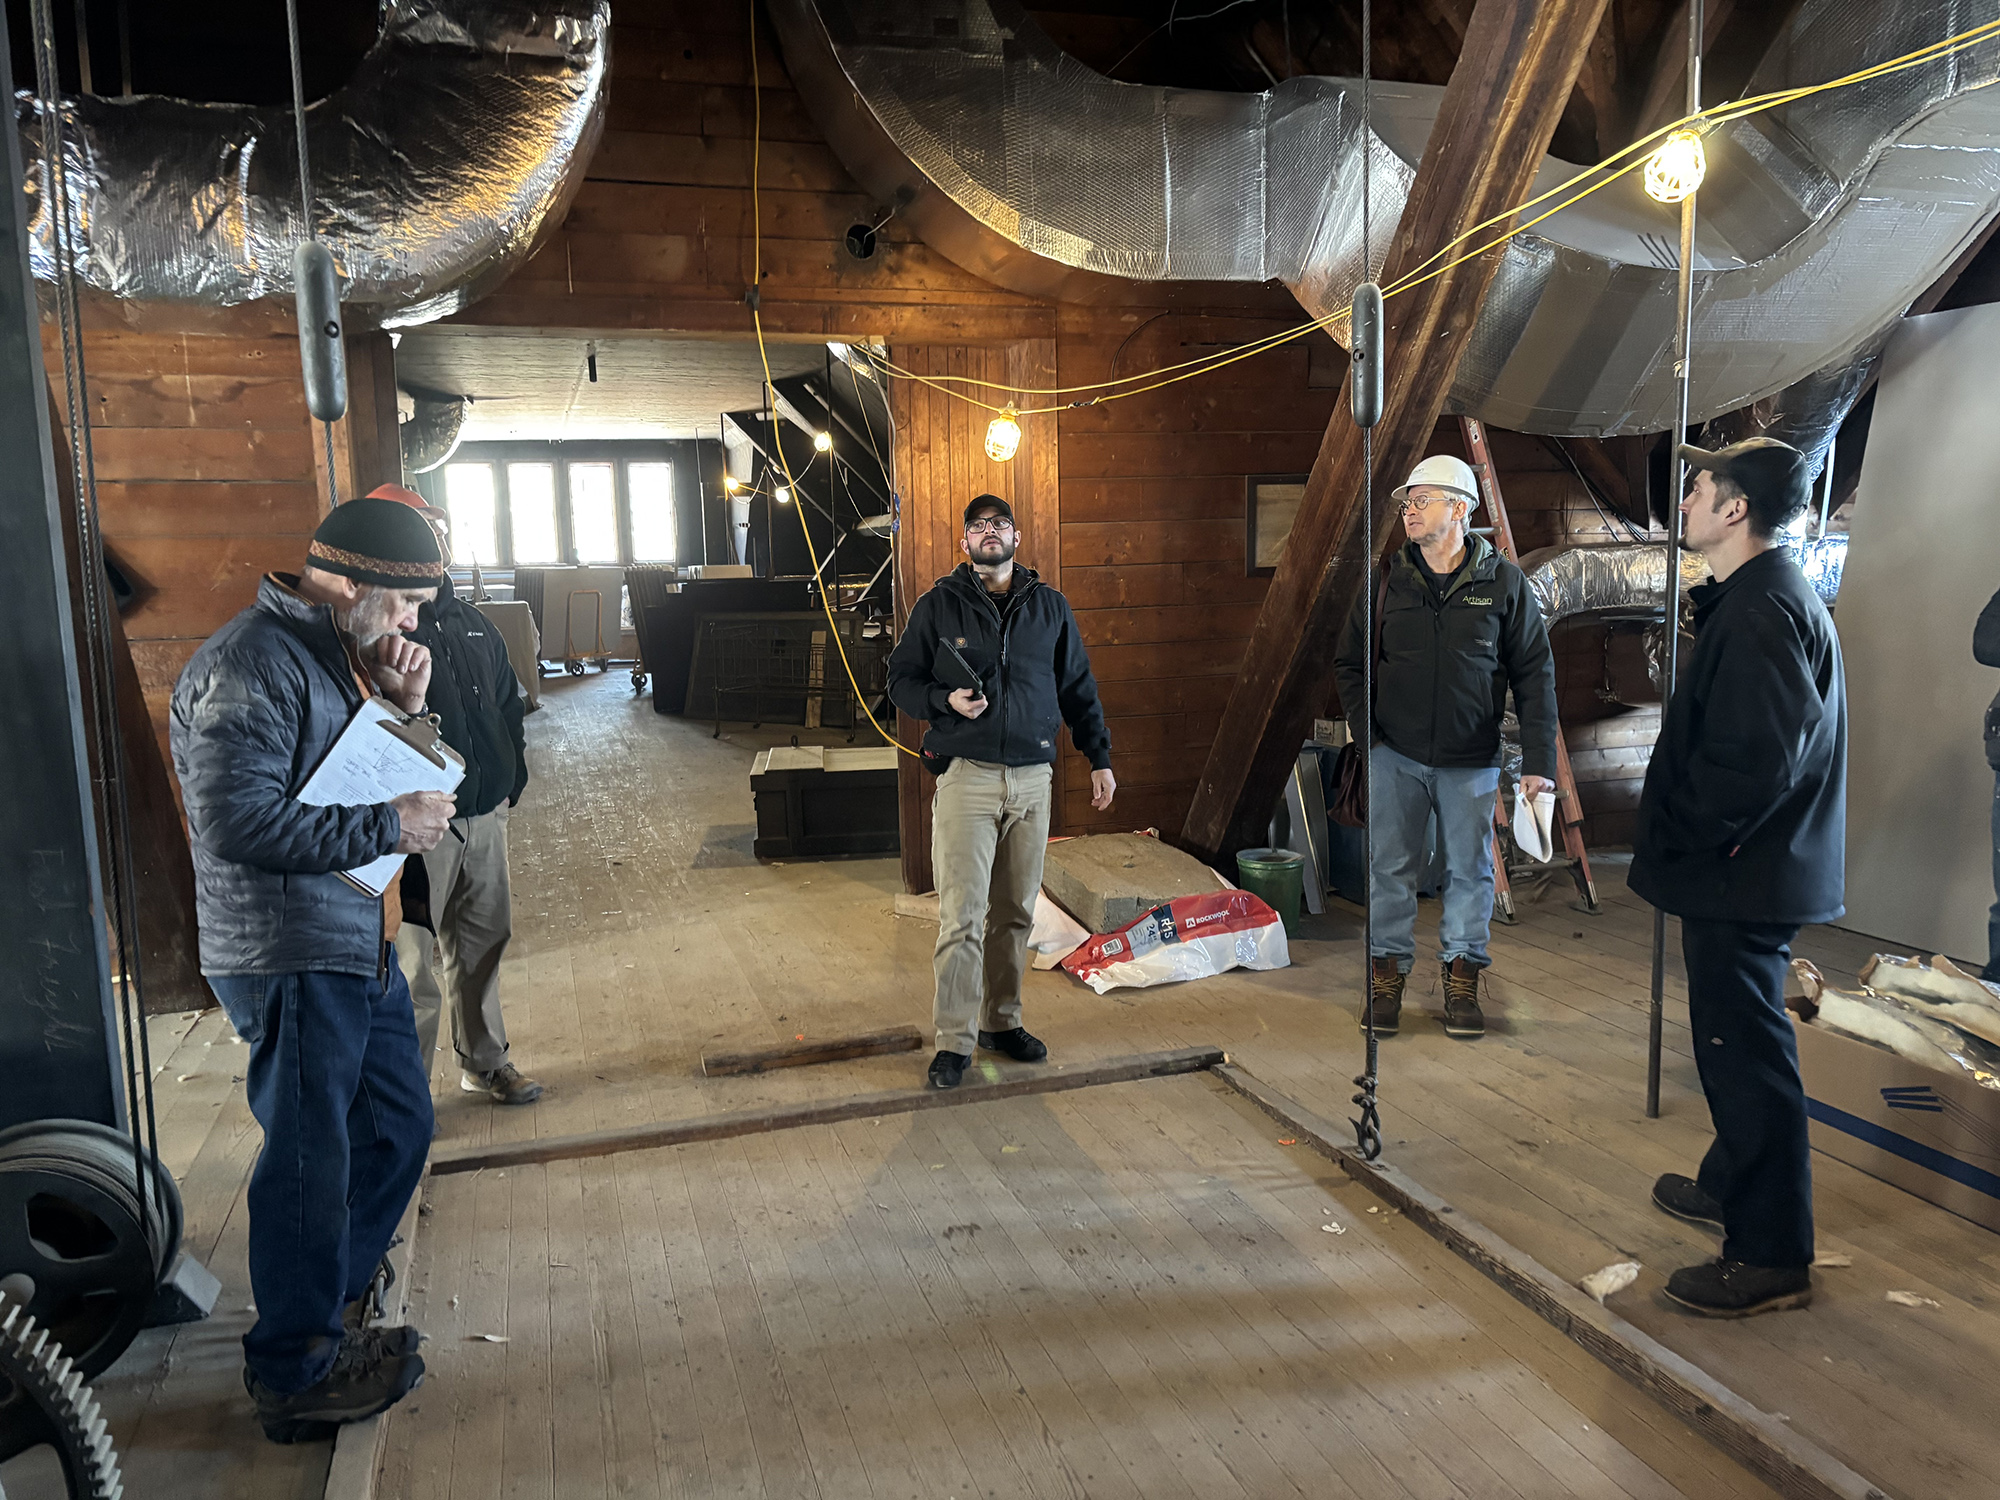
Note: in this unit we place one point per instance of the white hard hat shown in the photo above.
(1442, 471)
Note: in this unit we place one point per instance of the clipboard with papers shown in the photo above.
(381, 755)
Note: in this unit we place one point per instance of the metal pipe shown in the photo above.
(1683, 357)
(1826, 492)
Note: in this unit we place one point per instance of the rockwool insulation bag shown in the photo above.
(1191, 937)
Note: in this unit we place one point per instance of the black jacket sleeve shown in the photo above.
(236, 735)
(513, 709)
(1350, 660)
(913, 684)
(1531, 672)
(1076, 694)
(1986, 634)
(1754, 725)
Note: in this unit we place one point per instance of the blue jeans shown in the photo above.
(1760, 1166)
(336, 1082)
(1993, 915)
(1404, 796)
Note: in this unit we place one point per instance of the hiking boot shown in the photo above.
(506, 1084)
(364, 1380)
(947, 1069)
(1683, 1198)
(1385, 995)
(1017, 1044)
(1462, 1015)
(1731, 1289)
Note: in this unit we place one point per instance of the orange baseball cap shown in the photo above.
(398, 493)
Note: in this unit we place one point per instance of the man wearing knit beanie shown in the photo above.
(300, 956)
(457, 904)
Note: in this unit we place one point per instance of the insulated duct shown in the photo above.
(462, 133)
(1820, 222)
(1628, 580)
(434, 429)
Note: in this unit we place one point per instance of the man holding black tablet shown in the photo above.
(992, 660)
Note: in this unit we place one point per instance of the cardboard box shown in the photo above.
(1930, 1133)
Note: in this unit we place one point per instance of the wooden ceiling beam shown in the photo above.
(1514, 75)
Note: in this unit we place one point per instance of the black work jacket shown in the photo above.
(477, 700)
(1744, 815)
(1035, 671)
(1986, 651)
(1441, 680)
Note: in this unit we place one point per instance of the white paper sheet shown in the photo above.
(367, 765)
(1534, 819)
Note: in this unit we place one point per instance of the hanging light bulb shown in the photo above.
(1003, 435)
(731, 483)
(823, 441)
(784, 495)
(1675, 170)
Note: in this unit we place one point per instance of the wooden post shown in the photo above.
(1500, 109)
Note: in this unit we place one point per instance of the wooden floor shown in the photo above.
(1129, 1291)
(647, 932)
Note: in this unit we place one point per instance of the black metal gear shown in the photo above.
(43, 1400)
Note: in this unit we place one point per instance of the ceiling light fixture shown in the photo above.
(823, 441)
(784, 495)
(1003, 435)
(1675, 170)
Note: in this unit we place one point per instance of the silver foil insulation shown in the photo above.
(463, 132)
(1819, 222)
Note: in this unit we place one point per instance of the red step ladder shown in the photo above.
(1569, 807)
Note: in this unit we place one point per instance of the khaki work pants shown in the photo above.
(989, 831)
(473, 908)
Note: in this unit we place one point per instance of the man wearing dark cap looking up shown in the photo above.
(995, 747)
(1742, 835)
(300, 957)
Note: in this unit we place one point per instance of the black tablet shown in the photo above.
(954, 670)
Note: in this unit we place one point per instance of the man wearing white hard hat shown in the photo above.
(1456, 628)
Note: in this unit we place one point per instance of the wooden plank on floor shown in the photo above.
(803, 1053)
(761, 1121)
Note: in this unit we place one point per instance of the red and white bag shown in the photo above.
(1191, 937)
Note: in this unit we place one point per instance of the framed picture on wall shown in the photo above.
(1270, 503)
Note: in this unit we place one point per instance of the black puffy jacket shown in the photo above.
(477, 700)
(1036, 673)
(254, 711)
(1744, 815)
(1441, 680)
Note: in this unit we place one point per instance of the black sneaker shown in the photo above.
(947, 1069)
(1683, 1198)
(1731, 1289)
(1017, 1044)
(364, 1380)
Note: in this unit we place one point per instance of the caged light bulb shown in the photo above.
(1003, 435)
(1675, 170)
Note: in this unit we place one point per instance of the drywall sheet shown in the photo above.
(1923, 559)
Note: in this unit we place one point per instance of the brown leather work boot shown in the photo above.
(1462, 1016)
(1385, 995)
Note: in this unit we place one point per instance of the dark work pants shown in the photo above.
(1759, 1168)
(336, 1083)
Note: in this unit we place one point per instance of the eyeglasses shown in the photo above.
(1404, 507)
(994, 524)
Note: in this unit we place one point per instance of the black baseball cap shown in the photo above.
(991, 503)
(1771, 474)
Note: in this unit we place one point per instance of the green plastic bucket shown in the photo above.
(1279, 877)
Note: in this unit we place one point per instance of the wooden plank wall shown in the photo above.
(1153, 533)
(205, 473)
(660, 236)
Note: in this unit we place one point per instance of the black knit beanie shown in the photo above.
(377, 541)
